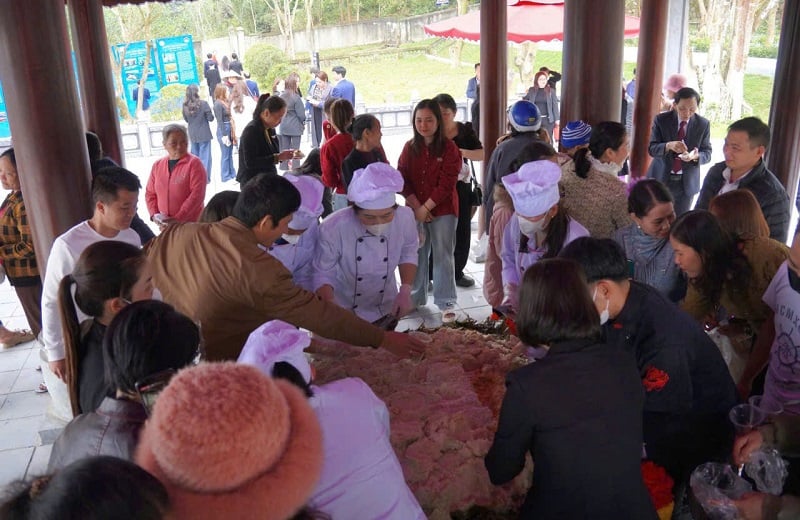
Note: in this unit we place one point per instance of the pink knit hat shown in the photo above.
(228, 442)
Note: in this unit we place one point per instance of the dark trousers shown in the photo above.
(30, 297)
(463, 228)
(683, 200)
(317, 116)
(548, 125)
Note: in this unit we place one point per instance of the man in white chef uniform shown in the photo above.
(296, 249)
(361, 246)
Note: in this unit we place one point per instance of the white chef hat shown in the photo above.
(277, 341)
(534, 187)
(310, 201)
(374, 187)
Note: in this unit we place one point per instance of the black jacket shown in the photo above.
(256, 153)
(688, 389)
(579, 413)
(768, 190)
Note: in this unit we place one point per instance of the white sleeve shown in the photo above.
(409, 252)
(59, 264)
(327, 256)
(508, 254)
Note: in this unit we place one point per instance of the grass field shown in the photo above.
(391, 75)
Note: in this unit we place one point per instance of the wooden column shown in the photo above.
(649, 71)
(45, 118)
(96, 76)
(494, 74)
(592, 61)
(494, 80)
(783, 155)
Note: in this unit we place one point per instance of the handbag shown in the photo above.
(476, 195)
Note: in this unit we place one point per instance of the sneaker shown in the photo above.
(465, 281)
(41, 389)
(480, 259)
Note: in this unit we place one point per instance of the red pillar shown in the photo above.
(783, 155)
(493, 73)
(94, 69)
(592, 61)
(494, 67)
(649, 71)
(45, 118)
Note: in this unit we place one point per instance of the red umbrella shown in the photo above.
(528, 21)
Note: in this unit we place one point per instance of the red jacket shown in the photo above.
(179, 194)
(431, 177)
(332, 155)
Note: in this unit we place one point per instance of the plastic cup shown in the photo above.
(768, 409)
(746, 417)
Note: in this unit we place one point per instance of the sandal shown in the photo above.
(41, 389)
(15, 337)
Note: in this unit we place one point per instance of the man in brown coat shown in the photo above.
(218, 275)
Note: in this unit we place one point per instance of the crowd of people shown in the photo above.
(183, 353)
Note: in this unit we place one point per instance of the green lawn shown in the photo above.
(402, 75)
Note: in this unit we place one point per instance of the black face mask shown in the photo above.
(794, 280)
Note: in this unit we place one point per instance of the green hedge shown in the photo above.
(168, 106)
(266, 63)
(757, 49)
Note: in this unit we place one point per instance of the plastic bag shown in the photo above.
(734, 358)
(768, 470)
(715, 486)
(478, 251)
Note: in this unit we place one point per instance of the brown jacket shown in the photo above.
(111, 430)
(216, 274)
(16, 242)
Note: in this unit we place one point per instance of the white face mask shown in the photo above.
(529, 229)
(378, 229)
(157, 295)
(292, 239)
(604, 314)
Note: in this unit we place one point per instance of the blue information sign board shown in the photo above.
(5, 130)
(172, 61)
(176, 60)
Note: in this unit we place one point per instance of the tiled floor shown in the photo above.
(23, 413)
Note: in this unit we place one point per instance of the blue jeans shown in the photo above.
(227, 171)
(440, 235)
(203, 151)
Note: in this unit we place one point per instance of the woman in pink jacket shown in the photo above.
(176, 188)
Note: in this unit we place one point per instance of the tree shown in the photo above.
(285, 11)
(458, 46)
(727, 24)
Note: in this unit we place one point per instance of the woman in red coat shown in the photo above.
(430, 164)
(335, 149)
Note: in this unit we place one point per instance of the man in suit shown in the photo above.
(680, 142)
(211, 73)
(744, 168)
(344, 88)
(473, 92)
